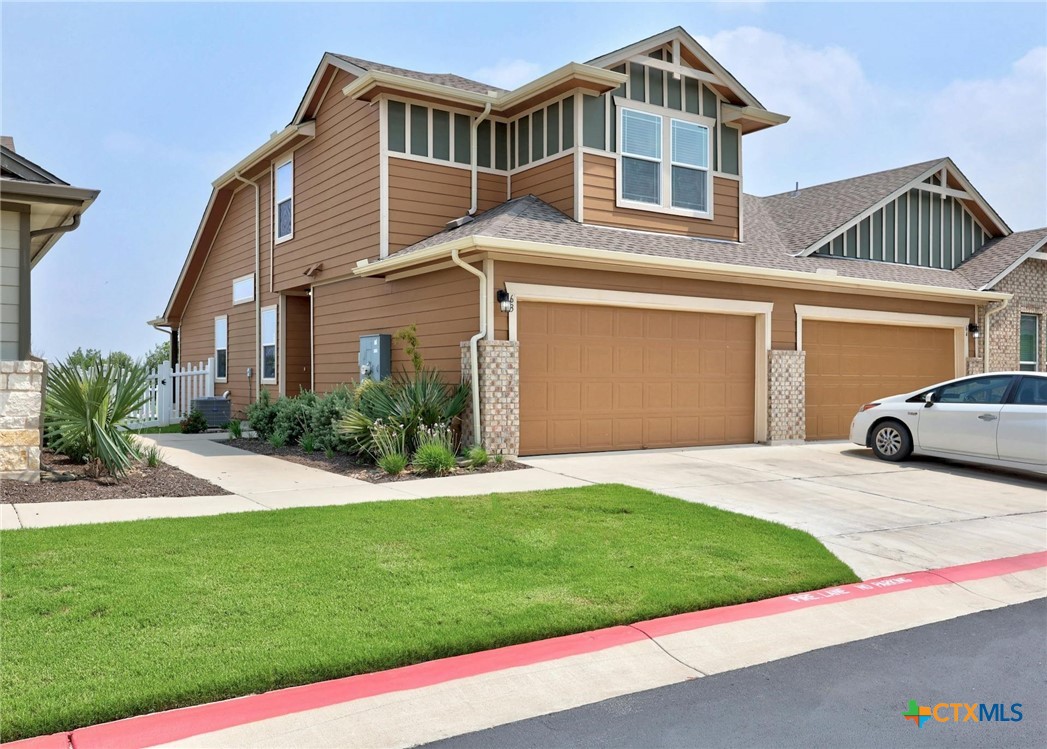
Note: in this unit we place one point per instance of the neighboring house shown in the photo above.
(589, 229)
(36, 209)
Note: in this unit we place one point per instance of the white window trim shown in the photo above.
(761, 311)
(1036, 343)
(665, 175)
(243, 300)
(224, 319)
(844, 314)
(275, 308)
(289, 159)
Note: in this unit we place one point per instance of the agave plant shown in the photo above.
(87, 410)
(416, 400)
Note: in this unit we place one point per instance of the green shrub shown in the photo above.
(499, 459)
(194, 423)
(393, 463)
(414, 401)
(277, 439)
(440, 434)
(329, 452)
(154, 456)
(388, 439)
(327, 412)
(308, 443)
(477, 456)
(86, 412)
(236, 429)
(434, 458)
(261, 415)
(293, 415)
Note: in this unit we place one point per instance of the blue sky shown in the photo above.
(151, 102)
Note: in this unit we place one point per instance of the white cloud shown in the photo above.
(843, 124)
(507, 73)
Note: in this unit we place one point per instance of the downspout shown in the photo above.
(257, 282)
(56, 229)
(989, 315)
(472, 158)
(474, 357)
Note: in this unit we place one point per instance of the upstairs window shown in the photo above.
(243, 289)
(664, 163)
(283, 199)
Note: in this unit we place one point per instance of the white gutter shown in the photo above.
(474, 356)
(472, 158)
(257, 279)
(276, 142)
(989, 315)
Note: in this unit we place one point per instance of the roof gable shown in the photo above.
(999, 257)
(689, 54)
(20, 168)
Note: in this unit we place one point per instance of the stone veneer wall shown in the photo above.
(499, 397)
(786, 396)
(21, 403)
(1028, 284)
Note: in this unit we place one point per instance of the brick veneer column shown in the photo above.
(1028, 284)
(786, 396)
(499, 397)
(21, 402)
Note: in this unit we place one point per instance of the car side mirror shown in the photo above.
(929, 400)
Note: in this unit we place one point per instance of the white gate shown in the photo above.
(171, 392)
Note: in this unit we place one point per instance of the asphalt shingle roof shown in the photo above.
(444, 79)
(805, 216)
(997, 255)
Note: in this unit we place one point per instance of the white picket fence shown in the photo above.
(171, 393)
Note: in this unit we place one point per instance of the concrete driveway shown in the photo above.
(880, 518)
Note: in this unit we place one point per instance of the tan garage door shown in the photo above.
(614, 378)
(849, 364)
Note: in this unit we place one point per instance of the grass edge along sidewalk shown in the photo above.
(108, 621)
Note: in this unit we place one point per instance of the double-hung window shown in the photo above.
(221, 348)
(283, 199)
(269, 327)
(664, 162)
(1029, 343)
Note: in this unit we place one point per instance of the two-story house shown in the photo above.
(584, 245)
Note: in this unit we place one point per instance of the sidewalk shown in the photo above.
(416, 704)
(260, 482)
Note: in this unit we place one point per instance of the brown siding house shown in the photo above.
(634, 295)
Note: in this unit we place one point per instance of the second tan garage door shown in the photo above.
(614, 378)
(849, 364)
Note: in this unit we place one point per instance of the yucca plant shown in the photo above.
(87, 411)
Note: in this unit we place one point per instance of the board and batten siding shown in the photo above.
(10, 289)
(917, 228)
(336, 192)
(600, 205)
(231, 256)
(552, 181)
(783, 316)
(424, 196)
(443, 305)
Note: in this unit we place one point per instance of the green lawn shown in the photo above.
(106, 621)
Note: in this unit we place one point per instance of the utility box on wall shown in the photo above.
(376, 361)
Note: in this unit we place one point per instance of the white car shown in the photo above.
(997, 419)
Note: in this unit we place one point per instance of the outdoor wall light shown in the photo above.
(974, 330)
(505, 301)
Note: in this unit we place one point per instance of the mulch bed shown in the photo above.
(348, 465)
(143, 481)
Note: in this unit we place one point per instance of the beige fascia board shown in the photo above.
(41, 192)
(601, 77)
(266, 150)
(733, 113)
(373, 78)
(522, 250)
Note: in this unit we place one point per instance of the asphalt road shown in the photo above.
(849, 695)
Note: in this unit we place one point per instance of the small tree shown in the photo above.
(159, 354)
(408, 336)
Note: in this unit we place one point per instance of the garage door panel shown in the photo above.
(848, 364)
(640, 378)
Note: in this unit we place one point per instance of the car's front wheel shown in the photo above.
(891, 441)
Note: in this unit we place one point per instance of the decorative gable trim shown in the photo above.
(678, 38)
(943, 169)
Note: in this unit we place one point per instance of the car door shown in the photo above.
(962, 417)
(1022, 431)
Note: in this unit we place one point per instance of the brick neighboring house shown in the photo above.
(36, 209)
(589, 230)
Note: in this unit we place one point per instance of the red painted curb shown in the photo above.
(159, 728)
